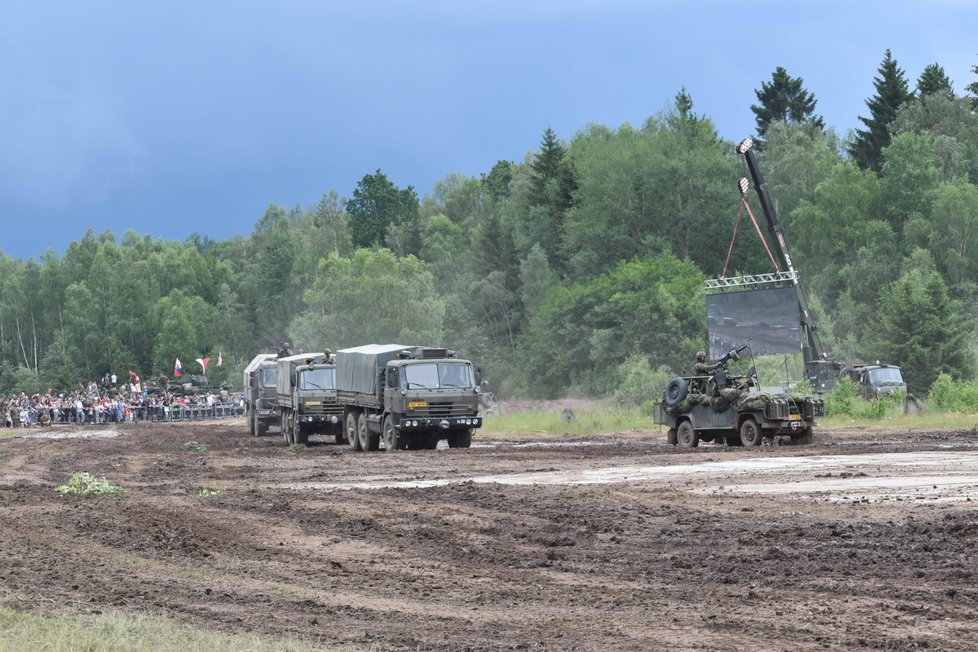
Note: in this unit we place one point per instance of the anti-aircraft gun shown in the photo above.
(718, 406)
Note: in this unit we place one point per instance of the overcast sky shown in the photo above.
(192, 116)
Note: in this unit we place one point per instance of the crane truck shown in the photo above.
(873, 380)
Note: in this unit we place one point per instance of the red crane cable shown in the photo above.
(743, 205)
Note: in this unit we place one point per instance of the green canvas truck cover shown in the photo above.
(357, 367)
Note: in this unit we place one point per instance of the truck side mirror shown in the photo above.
(478, 376)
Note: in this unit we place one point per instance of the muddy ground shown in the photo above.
(619, 542)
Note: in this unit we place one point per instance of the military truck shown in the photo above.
(307, 402)
(261, 393)
(875, 380)
(411, 396)
(733, 409)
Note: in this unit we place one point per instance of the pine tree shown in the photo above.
(973, 88)
(785, 100)
(934, 81)
(891, 92)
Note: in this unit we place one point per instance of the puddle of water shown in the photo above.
(965, 464)
(72, 434)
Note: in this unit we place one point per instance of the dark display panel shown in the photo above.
(768, 318)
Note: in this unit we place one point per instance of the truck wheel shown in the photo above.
(284, 426)
(351, 431)
(687, 436)
(461, 439)
(299, 436)
(431, 442)
(675, 392)
(393, 439)
(368, 440)
(671, 436)
(261, 427)
(251, 425)
(750, 433)
(338, 436)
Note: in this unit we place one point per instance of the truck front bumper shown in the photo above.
(446, 423)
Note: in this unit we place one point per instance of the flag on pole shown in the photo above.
(220, 360)
(177, 368)
(203, 364)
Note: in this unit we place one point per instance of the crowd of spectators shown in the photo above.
(110, 402)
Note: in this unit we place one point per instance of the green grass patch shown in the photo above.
(121, 631)
(553, 423)
(86, 483)
(207, 491)
(8, 433)
(298, 448)
(191, 447)
(929, 420)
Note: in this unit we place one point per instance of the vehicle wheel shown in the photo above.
(671, 436)
(687, 436)
(675, 392)
(338, 436)
(261, 427)
(750, 433)
(284, 423)
(460, 439)
(430, 442)
(251, 424)
(351, 431)
(299, 436)
(368, 440)
(393, 439)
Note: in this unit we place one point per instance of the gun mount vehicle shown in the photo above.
(186, 385)
(412, 396)
(733, 408)
(261, 393)
(821, 371)
(306, 388)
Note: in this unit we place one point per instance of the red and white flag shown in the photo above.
(220, 360)
(203, 364)
(177, 368)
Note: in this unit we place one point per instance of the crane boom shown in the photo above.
(821, 371)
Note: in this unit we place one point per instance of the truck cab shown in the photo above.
(307, 397)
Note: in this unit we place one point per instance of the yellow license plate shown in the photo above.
(417, 404)
(794, 416)
(314, 402)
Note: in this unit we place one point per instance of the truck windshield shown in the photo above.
(885, 376)
(317, 379)
(269, 377)
(433, 375)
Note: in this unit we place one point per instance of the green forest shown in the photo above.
(578, 271)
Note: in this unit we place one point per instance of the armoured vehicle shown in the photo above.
(733, 408)
(306, 387)
(261, 393)
(411, 396)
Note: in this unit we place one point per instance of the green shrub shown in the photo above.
(192, 447)
(941, 395)
(842, 399)
(85, 483)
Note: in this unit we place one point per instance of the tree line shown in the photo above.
(578, 270)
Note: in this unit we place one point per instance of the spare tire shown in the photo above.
(675, 392)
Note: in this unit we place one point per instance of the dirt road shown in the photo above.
(620, 542)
